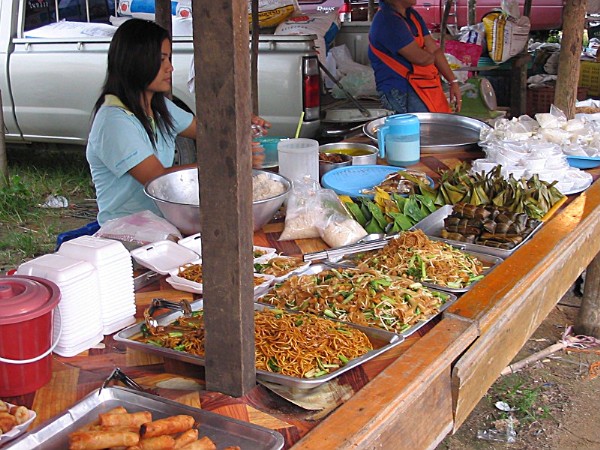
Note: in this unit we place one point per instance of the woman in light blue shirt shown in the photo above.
(132, 139)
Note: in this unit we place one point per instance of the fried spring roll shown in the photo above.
(163, 442)
(169, 425)
(96, 440)
(203, 443)
(125, 420)
(7, 422)
(186, 437)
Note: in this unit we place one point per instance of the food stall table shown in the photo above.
(416, 393)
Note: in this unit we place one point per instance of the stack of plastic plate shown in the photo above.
(115, 276)
(79, 322)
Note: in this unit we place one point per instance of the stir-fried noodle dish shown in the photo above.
(191, 272)
(361, 296)
(414, 255)
(293, 344)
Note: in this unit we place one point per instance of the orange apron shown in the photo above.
(425, 80)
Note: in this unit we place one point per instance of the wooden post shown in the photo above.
(371, 10)
(3, 157)
(565, 94)
(254, 57)
(222, 87)
(162, 15)
(588, 319)
(447, 6)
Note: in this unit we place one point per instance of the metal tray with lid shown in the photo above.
(223, 431)
(440, 132)
(382, 341)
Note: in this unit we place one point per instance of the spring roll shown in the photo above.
(169, 425)
(125, 420)
(186, 437)
(163, 442)
(203, 443)
(96, 440)
(7, 422)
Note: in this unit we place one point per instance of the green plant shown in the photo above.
(524, 399)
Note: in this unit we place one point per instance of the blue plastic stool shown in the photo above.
(86, 230)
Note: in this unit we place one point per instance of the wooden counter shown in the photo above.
(415, 394)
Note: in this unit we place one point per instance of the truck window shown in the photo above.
(43, 12)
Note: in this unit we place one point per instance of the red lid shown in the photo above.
(25, 298)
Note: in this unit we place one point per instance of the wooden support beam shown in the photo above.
(546, 267)
(222, 87)
(565, 94)
(162, 15)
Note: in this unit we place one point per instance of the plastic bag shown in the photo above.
(313, 212)
(272, 12)
(140, 228)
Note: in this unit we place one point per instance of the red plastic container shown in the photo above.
(26, 328)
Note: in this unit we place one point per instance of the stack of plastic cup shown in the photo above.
(299, 158)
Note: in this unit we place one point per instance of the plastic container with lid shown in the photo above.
(27, 305)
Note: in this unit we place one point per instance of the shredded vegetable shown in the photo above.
(414, 255)
(362, 296)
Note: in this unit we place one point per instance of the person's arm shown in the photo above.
(416, 55)
(441, 63)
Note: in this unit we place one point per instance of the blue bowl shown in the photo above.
(269, 143)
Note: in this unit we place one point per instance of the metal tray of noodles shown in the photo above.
(317, 268)
(381, 339)
(489, 261)
(222, 430)
(440, 132)
(433, 224)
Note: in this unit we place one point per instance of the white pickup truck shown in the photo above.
(49, 84)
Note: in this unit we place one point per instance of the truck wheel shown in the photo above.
(185, 151)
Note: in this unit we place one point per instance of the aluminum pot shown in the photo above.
(176, 196)
(362, 154)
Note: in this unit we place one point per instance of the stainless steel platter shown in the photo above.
(433, 224)
(222, 430)
(382, 340)
(341, 256)
(440, 132)
(316, 268)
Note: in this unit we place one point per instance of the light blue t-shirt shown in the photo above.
(117, 143)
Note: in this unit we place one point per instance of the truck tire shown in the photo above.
(185, 151)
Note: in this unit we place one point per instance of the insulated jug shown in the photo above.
(399, 140)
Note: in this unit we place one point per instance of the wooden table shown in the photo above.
(415, 394)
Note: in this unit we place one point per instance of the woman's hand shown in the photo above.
(260, 126)
(455, 96)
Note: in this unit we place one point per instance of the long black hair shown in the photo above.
(134, 59)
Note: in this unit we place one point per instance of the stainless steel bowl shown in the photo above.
(326, 166)
(362, 154)
(176, 196)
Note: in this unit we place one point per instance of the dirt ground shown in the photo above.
(555, 399)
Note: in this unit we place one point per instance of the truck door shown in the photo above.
(57, 70)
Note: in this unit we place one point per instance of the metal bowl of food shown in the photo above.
(330, 161)
(362, 154)
(176, 196)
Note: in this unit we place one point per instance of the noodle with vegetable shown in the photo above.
(361, 296)
(414, 255)
(297, 345)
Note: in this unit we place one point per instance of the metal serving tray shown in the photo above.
(433, 224)
(382, 340)
(490, 261)
(223, 431)
(316, 268)
(440, 132)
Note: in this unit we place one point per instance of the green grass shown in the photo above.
(26, 229)
(522, 396)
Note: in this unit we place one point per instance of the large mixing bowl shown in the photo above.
(176, 196)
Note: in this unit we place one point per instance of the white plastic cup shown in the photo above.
(298, 158)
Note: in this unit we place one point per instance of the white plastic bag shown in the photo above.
(141, 228)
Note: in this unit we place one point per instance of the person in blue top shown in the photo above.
(407, 61)
(132, 139)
